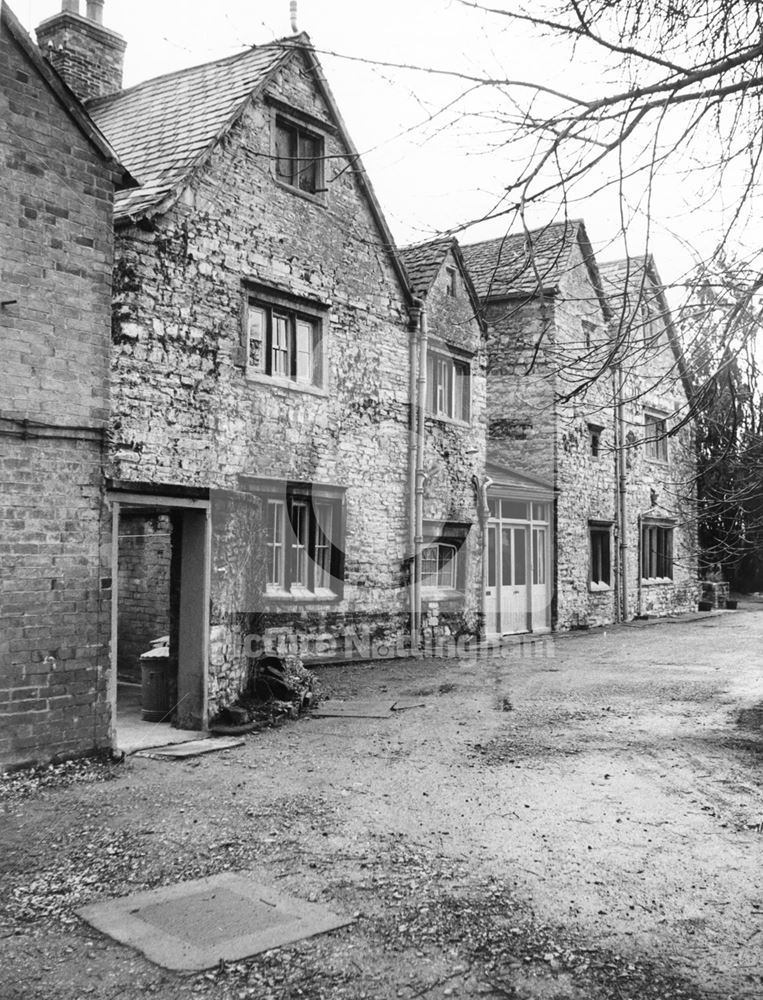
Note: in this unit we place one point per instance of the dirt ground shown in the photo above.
(581, 818)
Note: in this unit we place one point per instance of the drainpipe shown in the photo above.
(413, 466)
(640, 564)
(622, 491)
(421, 399)
(484, 515)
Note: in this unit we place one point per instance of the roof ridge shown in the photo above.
(571, 223)
(277, 43)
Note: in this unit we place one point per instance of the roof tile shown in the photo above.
(515, 264)
(161, 127)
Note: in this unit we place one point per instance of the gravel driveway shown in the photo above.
(581, 818)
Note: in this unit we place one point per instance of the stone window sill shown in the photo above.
(319, 199)
(443, 595)
(301, 596)
(599, 587)
(452, 421)
(285, 383)
(656, 581)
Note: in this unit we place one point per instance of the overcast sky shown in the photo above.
(430, 173)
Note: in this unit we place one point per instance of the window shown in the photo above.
(443, 565)
(451, 288)
(594, 434)
(299, 157)
(601, 562)
(284, 343)
(302, 536)
(589, 329)
(656, 552)
(656, 437)
(438, 566)
(539, 556)
(447, 386)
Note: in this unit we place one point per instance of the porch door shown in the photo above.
(513, 600)
(492, 623)
(539, 581)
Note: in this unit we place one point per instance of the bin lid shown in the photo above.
(160, 653)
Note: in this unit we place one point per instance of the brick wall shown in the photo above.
(87, 55)
(144, 587)
(55, 251)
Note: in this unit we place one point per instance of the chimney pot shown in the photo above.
(72, 6)
(95, 10)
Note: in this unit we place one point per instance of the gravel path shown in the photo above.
(580, 819)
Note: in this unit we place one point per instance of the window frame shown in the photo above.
(657, 556)
(310, 564)
(451, 282)
(598, 533)
(595, 432)
(589, 331)
(441, 357)
(298, 130)
(440, 536)
(277, 362)
(656, 444)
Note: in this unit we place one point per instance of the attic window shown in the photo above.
(594, 436)
(299, 156)
(451, 288)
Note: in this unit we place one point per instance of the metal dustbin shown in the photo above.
(155, 684)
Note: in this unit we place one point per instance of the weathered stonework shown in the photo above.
(187, 412)
(56, 251)
(550, 389)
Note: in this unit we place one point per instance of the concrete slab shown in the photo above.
(193, 748)
(354, 710)
(196, 924)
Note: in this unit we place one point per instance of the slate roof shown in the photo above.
(162, 128)
(635, 275)
(423, 263)
(507, 266)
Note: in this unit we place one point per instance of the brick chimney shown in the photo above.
(88, 56)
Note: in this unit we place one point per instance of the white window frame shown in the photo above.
(285, 341)
(303, 543)
(449, 383)
(651, 555)
(656, 437)
(602, 530)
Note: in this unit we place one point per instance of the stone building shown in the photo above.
(265, 342)
(56, 255)
(446, 516)
(591, 509)
(658, 458)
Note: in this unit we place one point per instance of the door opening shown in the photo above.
(159, 620)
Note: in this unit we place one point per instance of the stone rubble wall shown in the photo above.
(185, 411)
(537, 433)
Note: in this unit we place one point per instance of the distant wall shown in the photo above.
(144, 588)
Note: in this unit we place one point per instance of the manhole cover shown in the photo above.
(196, 924)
